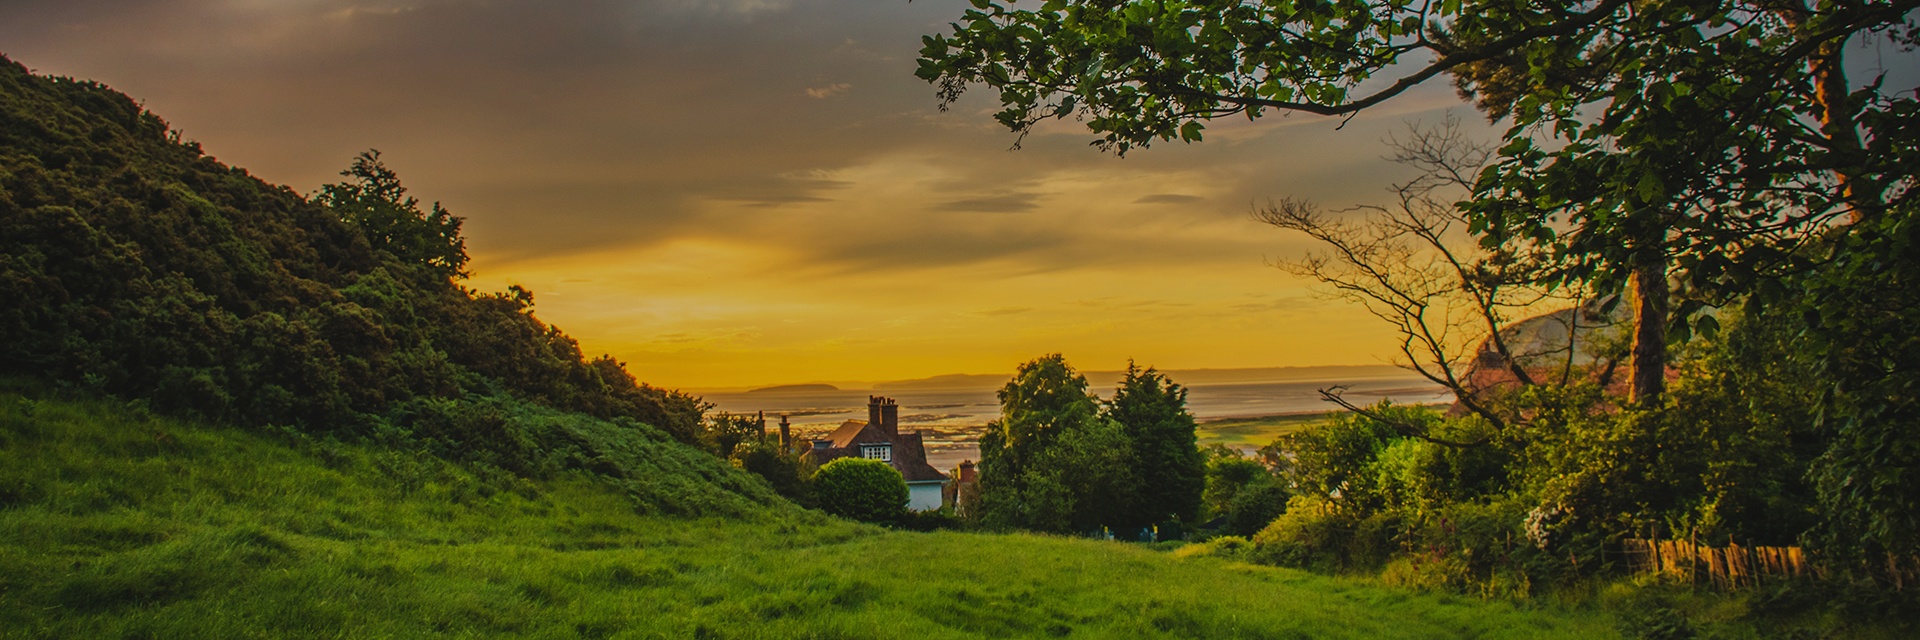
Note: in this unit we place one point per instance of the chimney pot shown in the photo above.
(890, 418)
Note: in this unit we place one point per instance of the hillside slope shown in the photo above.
(133, 264)
(114, 523)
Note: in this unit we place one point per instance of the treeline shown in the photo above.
(134, 265)
(1742, 449)
(1062, 460)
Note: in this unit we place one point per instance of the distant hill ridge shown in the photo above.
(796, 388)
(1245, 375)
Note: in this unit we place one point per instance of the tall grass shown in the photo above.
(116, 524)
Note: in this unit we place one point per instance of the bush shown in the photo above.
(1254, 506)
(1226, 547)
(1306, 536)
(928, 520)
(1227, 473)
(785, 471)
(861, 489)
(1312, 534)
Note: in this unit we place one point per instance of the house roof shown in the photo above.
(915, 466)
(853, 431)
(909, 449)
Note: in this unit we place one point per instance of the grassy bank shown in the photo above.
(115, 524)
(1254, 432)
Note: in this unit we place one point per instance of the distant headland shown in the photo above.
(796, 388)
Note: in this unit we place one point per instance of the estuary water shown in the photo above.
(954, 417)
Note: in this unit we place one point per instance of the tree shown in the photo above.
(1855, 321)
(1702, 140)
(784, 470)
(1051, 463)
(1254, 507)
(392, 221)
(1168, 465)
(1694, 154)
(861, 489)
(1414, 266)
(725, 431)
(1227, 473)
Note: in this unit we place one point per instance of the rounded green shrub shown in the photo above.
(1254, 507)
(861, 489)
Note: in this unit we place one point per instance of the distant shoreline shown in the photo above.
(1186, 377)
(1301, 414)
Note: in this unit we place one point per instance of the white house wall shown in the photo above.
(923, 496)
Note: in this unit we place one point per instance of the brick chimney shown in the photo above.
(890, 418)
(786, 435)
(967, 472)
(882, 411)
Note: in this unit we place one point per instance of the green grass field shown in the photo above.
(1241, 433)
(114, 524)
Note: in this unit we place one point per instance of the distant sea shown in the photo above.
(956, 414)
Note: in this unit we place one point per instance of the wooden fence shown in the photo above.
(1735, 566)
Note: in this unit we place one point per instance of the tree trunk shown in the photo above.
(1649, 361)
(1830, 96)
(1837, 122)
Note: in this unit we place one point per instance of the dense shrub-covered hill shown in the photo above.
(134, 265)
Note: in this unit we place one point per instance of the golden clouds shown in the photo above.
(742, 192)
(884, 281)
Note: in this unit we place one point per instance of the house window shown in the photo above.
(881, 452)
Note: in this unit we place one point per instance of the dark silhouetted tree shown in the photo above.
(1169, 469)
(374, 200)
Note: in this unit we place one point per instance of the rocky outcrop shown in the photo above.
(1571, 344)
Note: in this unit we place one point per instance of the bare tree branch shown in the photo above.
(1413, 266)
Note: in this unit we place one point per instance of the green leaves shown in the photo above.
(392, 222)
(1190, 132)
(861, 489)
(1142, 71)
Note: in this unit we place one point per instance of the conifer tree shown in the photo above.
(1168, 466)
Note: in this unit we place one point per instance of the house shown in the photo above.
(879, 438)
(964, 491)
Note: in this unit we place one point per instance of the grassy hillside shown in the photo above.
(115, 523)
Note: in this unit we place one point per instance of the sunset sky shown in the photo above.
(735, 193)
